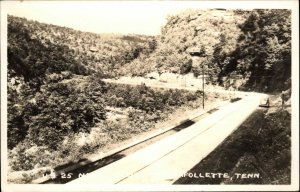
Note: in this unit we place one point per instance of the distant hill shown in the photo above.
(200, 30)
(35, 48)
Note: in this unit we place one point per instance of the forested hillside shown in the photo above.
(41, 56)
(35, 49)
(192, 29)
(253, 44)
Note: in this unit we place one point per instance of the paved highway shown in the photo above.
(155, 84)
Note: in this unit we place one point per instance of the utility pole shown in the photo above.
(234, 91)
(203, 86)
(234, 83)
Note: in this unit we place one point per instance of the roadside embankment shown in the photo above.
(262, 145)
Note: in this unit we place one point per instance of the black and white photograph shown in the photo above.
(149, 95)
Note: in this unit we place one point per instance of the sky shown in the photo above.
(126, 17)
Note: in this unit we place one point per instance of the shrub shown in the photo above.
(16, 129)
(144, 98)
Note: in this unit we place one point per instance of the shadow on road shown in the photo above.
(184, 125)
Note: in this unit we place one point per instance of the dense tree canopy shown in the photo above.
(264, 49)
(254, 44)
